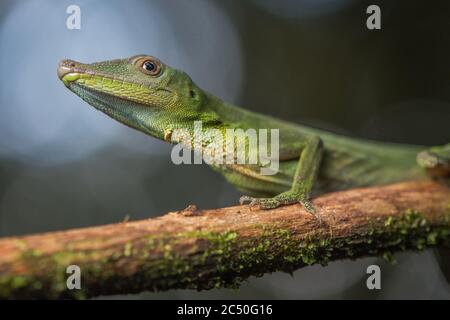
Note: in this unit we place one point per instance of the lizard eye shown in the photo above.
(150, 67)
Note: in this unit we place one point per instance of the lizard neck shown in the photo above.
(163, 124)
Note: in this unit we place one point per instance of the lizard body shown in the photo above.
(149, 96)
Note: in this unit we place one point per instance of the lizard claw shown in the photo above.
(244, 199)
(248, 200)
(311, 209)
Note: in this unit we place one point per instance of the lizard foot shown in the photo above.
(284, 198)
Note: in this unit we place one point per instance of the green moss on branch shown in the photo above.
(222, 248)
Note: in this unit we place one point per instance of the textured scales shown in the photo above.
(162, 99)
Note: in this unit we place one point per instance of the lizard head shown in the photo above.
(140, 92)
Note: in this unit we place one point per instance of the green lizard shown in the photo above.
(152, 97)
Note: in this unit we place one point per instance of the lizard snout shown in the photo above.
(65, 67)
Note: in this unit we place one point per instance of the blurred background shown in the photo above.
(65, 165)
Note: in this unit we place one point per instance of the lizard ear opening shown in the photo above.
(193, 92)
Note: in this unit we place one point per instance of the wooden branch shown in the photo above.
(203, 249)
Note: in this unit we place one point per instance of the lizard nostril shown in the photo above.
(192, 93)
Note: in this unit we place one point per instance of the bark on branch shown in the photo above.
(204, 249)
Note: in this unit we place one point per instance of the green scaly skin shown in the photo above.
(149, 96)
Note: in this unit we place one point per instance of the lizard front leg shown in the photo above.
(303, 181)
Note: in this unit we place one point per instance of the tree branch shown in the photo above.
(203, 249)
